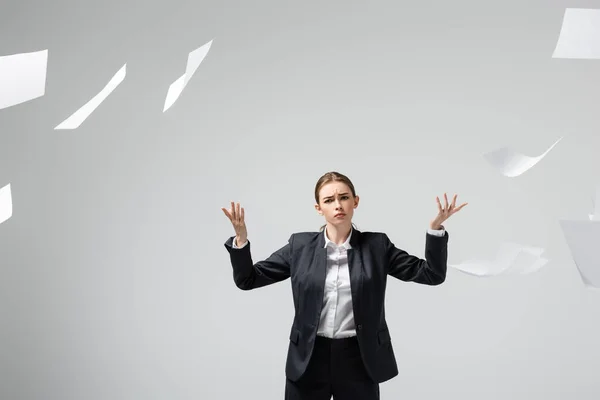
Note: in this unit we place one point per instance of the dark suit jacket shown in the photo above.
(372, 258)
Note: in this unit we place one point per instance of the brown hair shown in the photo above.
(333, 176)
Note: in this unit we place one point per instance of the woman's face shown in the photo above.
(336, 203)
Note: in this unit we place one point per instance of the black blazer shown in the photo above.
(372, 258)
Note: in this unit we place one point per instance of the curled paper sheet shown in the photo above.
(195, 58)
(88, 108)
(512, 164)
(22, 77)
(6, 208)
(579, 36)
(511, 258)
(528, 260)
(583, 237)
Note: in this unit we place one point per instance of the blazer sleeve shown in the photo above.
(409, 268)
(248, 275)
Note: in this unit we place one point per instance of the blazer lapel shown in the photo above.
(355, 266)
(320, 263)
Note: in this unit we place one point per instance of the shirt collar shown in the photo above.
(345, 245)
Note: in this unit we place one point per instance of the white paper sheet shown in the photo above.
(583, 238)
(579, 36)
(510, 163)
(6, 208)
(77, 118)
(528, 260)
(511, 258)
(22, 77)
(195, 58)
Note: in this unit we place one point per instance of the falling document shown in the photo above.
(512, 258)
(579, 36)
(512, 164)
(195, 58)
(87, 109)
(528, 260)
(583, 237)
(22, 77)
(5, 203)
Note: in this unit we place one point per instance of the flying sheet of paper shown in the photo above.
(583, 237)
(511, 258)
(88, 108)
(579, 36)
(6, 208)
(512, 164)
(22, 77)
(479, 267)
(194, 60)
(528, 260)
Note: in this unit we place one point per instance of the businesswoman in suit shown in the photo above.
(340, 344)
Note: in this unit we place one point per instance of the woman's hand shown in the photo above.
(236, 216)
(445, 212)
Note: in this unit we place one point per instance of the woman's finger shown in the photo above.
(242, 215)
(233, 216)
(226, 213)
(445, 202)
(461, 206)
(439, 204)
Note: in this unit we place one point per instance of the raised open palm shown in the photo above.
(236, 216)
(445, 211)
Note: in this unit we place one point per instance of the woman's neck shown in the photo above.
(338, 234)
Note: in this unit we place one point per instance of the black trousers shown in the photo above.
(335, 369)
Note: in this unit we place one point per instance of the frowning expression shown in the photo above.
(336, 203)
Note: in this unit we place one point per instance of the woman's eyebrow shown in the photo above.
(341, 194)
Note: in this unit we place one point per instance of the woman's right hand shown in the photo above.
(236, 216)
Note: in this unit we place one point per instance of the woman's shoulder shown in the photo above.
(372, 235)
(306, 235)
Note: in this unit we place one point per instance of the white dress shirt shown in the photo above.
(337, 315)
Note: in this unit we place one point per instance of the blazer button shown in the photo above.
(359, 327)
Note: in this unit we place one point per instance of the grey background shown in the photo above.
(114, 282)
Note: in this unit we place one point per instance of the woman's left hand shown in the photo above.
(445, 212)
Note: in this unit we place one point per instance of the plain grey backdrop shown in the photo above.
(114, 282)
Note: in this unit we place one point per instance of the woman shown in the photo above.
(339, 341)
